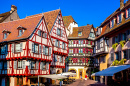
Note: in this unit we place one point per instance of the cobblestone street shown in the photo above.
(86, 83)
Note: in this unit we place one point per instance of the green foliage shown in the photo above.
(114, 45)
(81, 53)
(122, 43)
(115, 63)
(121, 62)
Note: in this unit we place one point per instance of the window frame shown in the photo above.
(46, 53)
(79, 33)
(4, 35)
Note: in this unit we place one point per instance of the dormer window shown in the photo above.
(112, 23)
(79, 33)
(128, 13)
(119, 18)
(21, 30)
(5, 33)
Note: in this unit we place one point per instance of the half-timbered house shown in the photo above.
(25, 50)
(59, 39)
(81, 50)
(112, 42)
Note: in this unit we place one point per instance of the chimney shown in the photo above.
(121, 4)
(13, 8)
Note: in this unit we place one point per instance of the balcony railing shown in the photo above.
(81, 45)
(80, 54)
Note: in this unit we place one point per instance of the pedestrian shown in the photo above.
(85, 77)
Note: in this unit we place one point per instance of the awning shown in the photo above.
(53, 76)
(111, 70)
(67, 74)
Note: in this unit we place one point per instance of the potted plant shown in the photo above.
(114, 45)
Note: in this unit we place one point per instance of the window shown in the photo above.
(63, 45)
(102, 59)
(57, 43)
(19, 64)
(124, 36)
(119, 18)
(5, 65)
(42, 65)
(59, 22)
(112, 23)
(125, 54)
(79, 42)
(46, 50)
(98, 44)
(20, 32)
(17, 47)
(35, 48)
(58, 31)
(33, 64)
(61, 58)
(4, 49)
(39, 33)
(5, 35)
(79, 33)
(128, 13)
(118, 56)
(112, 56)
(116, 39)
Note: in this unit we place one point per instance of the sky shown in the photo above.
(83, 11)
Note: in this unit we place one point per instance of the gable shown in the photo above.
(91, 34)
(57, 26)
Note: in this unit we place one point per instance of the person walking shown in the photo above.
(86, 77)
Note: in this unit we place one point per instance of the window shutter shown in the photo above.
(32, 47)
(7, 64)
(41, 65)
(45, 35)
(55, 42)
(40, 49)
(49, 51)
(61, 32)
(47, 66)
(43, 49)
(21, 47)
(12, 48)
(29, 67)
(63, 59)
(23, 64)
(59, 43)
(65, 45)
(37, 64)
(15, 64)
(55, 58)
(57, 31)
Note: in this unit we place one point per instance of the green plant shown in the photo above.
(122, 43)
(114, 45)
(81, 53)
(121, 62)
(114, 63)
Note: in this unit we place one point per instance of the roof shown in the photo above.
(105, 25)
(116, 12)
(112, 70)
(3, 16)
(85, 31)
(50, 17)
(67, 20)
(29, 23)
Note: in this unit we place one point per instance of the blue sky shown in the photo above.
(83, 11)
